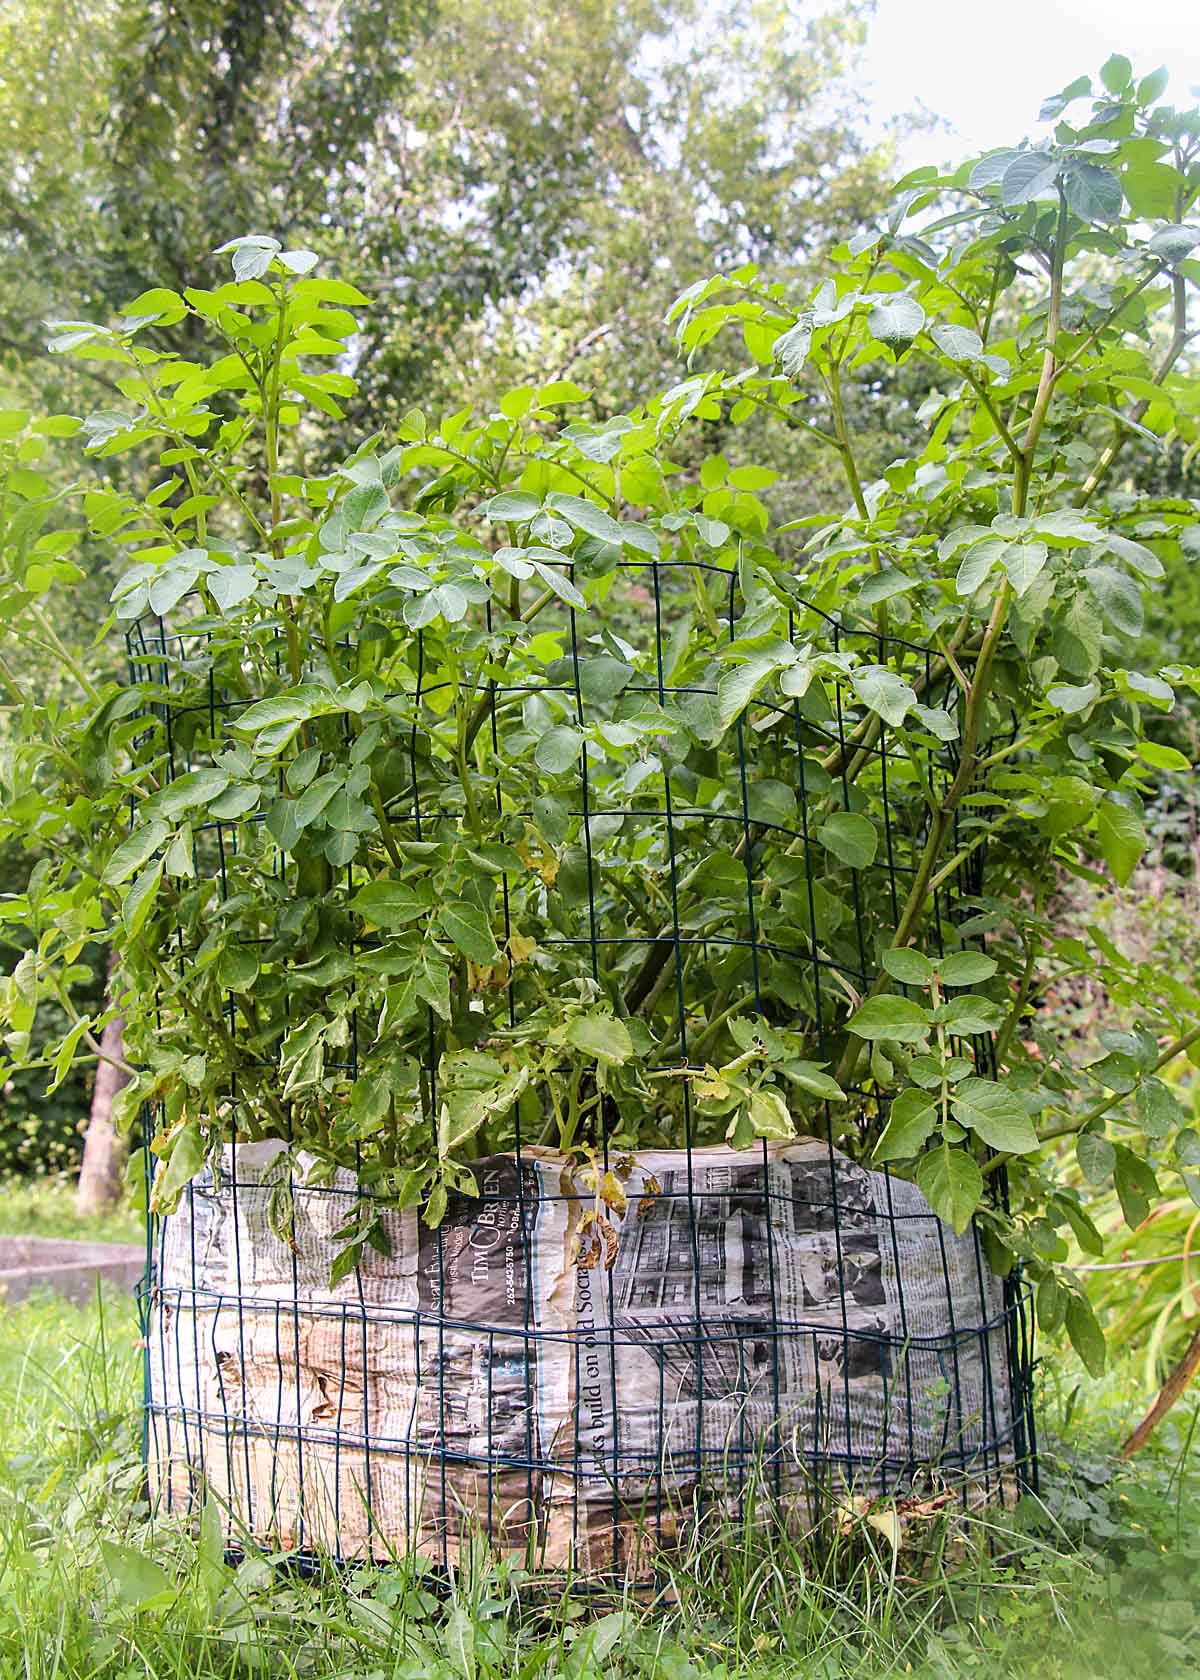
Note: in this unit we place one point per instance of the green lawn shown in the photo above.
(1101, 1577)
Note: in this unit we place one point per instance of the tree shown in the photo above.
(497, 175)
(105, 1147)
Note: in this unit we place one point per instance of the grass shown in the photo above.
(45, 1207)
(1101, 1576)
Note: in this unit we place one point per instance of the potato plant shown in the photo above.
(520, 777)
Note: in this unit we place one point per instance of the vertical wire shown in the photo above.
(764, 1150)
(681, 1013)
(960, 1430)
(431, 1060)
(235, 1222)
(831, 1151)
(989, 1428)
(594, 952)
(523, 1236)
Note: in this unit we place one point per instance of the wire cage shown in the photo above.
(602, 1342)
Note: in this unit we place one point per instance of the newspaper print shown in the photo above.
(783, 1315)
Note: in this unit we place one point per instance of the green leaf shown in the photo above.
(316, 797)
(514, 505)
(1066, 526)
(370, 1099)
(809, 1077)
(891, 1017)
(1187, 1147)
(850, 837)
(770, 1116)
(1093, 192)
(1027, 176)
(995, 1114)
(1116, 73)
(586, 516)
(896, 319)
(603, 678)
(1153, 86)
(430, 981)
(792, 346)
(1121, 836)
(1161, 757)
(466, 1110)
(602, 1037)
(135, 850)
(771, 802)
(1158, 1112)
(389, 905)
(65, 1058)
(239, 799)
(1087, 1338)
(910, 1122)
(884, 693)
(187, 1156)
(470, 930)
(1051, 1304)
(1096, 1156)
(157, 301)
(1151, 189)
(282, 708)
(908, 966)
(230, 586)
(237, 969)
(938, 721)
(1175, 242)
(977, 562)
(1118, 597)
(1136, 1185)
(968, 1015)
(1023, 563)
(344, 1262)
(739, 685)
(594, 1644)
(990, 170)
(213, 1572)
(558, 749)
(330, 291)
(966, 968)
(952, 1184)
(1086, 1234)
(140, 897)
(186, 793)
(137, 1578)
(553, 818)
(885, 585)
(961, 344)
(1072, 697)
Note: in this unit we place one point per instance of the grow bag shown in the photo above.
(577, 1378)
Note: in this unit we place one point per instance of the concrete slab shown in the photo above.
(71, 1268)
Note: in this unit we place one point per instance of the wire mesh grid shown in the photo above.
(582, 1375)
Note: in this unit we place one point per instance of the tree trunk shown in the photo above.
(101, 1176)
